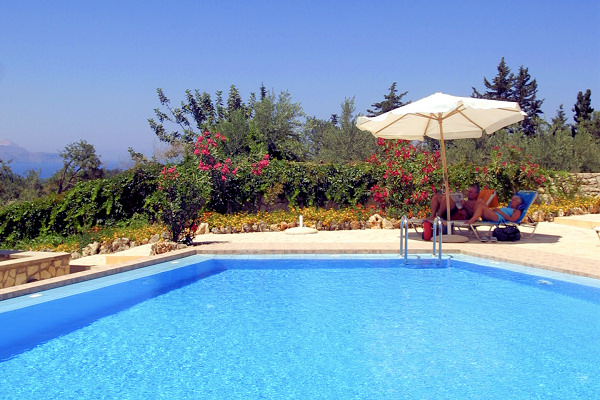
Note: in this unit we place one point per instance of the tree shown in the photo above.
(392, 101)
(80, 163)
(314, 131)
(560, 119)
(234, 102)
(347, 143)
(524, 92)
(583, 109)
(276, 127)
(177, 116)
(501, 86)
(520, 88)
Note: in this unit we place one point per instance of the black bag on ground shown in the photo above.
(507, 234)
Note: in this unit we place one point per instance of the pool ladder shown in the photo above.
(437, 227)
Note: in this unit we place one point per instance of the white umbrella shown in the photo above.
(443, 117)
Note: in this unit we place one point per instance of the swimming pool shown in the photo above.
(368, 327)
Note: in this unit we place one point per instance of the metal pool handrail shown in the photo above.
(404, 236)
(437, 222)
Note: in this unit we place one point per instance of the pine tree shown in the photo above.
(235, 101)
(560, 119)
(507, 86)
(524, 92)
(392, 101)
(263, 91)
(583, 110)
(501, 86)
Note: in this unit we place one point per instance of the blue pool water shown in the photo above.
(330, 328)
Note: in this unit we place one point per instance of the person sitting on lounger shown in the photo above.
(438, 204)
(500, 215)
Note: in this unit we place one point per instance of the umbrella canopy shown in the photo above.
(443, 117)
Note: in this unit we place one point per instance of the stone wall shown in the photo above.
(17, 268)
(590, 183)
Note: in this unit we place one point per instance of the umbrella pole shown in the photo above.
(449, 237)
(446, 188)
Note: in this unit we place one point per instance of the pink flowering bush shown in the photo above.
(202, 177)
(511, 170)
(411, 176)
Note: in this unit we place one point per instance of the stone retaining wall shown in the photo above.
(590, 183)
(17, 268)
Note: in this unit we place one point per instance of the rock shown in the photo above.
(255, 227)
(145, 241)
(228, 229)
(274, 228)
(75, 255)
(538, 216)
(355, 225)
(561, 213)
(283, 226)
(387, 224)
(577, 211)
(246, 227)
(155, 238)
(334, 225)
(215, 230)
(262, 227)
(162, 247)
(105, 248)
(319, 225)
(375, 221)
(120, 244)
(203, 229)
(165, 235)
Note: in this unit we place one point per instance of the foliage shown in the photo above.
(392, 101)
(299, 184)
(99, 202)
(411, 176)
(183, 191)
(520, 88)
(310, 215)
(80, 163)
(270, 125)
(511, 170)
(136, 229)
(14, 187)
(583, 109)
(346, 143)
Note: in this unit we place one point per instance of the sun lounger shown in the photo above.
(528, 196)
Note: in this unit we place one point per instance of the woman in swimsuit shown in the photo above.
(504, 214)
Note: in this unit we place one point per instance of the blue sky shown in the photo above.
(72, 70)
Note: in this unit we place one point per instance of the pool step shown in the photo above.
(588, 221)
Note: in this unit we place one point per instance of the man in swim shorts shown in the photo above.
(438, 204)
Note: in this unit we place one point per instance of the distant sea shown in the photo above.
(47, 169)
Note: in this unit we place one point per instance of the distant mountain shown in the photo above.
(23, 160)
(12, 151)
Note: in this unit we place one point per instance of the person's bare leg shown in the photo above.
(435, 205)
(485, 212)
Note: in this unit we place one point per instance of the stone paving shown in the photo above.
(561, 247)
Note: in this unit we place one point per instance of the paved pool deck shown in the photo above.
(569, 245)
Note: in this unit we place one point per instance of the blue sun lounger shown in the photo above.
(528, 197)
